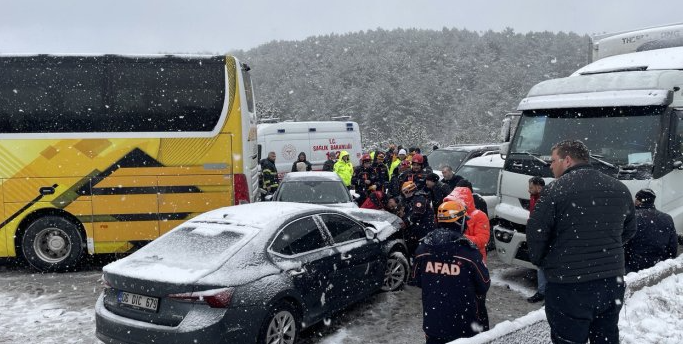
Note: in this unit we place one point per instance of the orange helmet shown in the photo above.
(418, 159)
(450, 211)
(408, 186)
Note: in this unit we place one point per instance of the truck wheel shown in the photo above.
(52, 243)
(396, 273)
(280, 326)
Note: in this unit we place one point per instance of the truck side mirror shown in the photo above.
(504, 149)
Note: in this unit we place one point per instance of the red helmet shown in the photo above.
(366, 157)
(418, 159)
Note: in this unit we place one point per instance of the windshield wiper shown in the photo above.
(536, 157)
(598, 159)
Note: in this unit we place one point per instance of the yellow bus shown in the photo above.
(104, 153)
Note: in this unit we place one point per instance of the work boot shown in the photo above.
(536, 298)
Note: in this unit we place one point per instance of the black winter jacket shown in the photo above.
(579, 227)
(655, 240)
(449, 269)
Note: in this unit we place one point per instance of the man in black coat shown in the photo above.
(269, 178)
(577, 234)
(451, 272)
(437, 190)
(656, 238)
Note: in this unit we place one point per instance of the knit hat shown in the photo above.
(402, 151)
(646, 196)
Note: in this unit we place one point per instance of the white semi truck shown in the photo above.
(626, 106)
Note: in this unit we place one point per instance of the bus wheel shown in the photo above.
(52, 243)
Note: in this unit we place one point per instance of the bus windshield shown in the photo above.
(619, 135)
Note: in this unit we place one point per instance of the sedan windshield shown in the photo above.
(444, 157)
(317, 192)
(619, 135)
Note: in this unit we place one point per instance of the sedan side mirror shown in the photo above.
(370, 233)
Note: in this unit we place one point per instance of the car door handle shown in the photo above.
(297, 272)
(346, 256)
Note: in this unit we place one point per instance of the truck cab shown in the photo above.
(627, 108)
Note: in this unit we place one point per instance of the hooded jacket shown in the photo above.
(478, 226)
(451, 273)
(298, 160)
(344, 169)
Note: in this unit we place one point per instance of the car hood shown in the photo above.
(384, 223)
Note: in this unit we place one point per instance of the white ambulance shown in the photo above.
(315, 139)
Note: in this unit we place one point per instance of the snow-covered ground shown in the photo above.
(59, 308)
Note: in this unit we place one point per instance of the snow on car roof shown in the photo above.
(256, 215)
(491, 160)
(311, 175)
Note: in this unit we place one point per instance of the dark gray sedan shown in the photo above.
(256, 273)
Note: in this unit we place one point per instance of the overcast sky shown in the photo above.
(219, 26)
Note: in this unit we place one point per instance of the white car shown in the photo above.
(483, 172)
(315, 187)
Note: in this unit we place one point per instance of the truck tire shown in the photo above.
(52, 244)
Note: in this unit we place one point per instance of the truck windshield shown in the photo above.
(619, 135)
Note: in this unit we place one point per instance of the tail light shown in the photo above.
(215, 298)
(241, 189)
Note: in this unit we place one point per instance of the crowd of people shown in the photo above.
(584, 233)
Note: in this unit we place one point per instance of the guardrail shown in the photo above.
(533, 328)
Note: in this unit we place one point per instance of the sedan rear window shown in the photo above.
(193, 244)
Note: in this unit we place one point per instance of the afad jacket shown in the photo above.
(450, 270)
(344, 169)
(478, 226)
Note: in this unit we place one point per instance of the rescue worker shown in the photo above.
(394, 189)
(478, 227)
(364, 179)
(269, 178)
(375, 200)
(344, 168)
(381, 171)
(453, 277)
(416, 173)
(301, 158)
(479, 202)
(419, 216)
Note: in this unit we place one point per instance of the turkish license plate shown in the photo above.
(138, 301)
